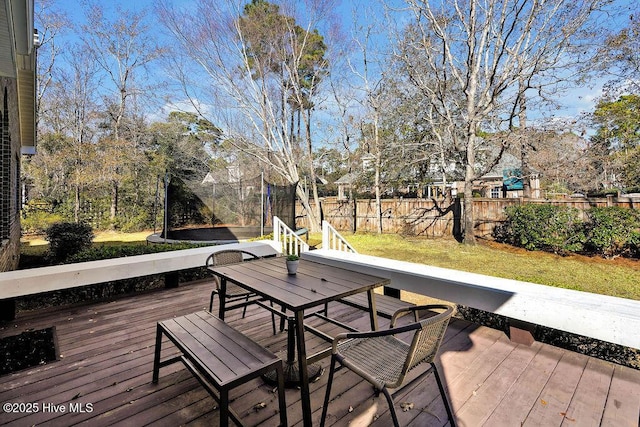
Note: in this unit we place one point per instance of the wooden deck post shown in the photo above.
(521, 332)
(8, 309)
(171, 279)
(392, 292)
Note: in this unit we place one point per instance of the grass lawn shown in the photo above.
(618, 277)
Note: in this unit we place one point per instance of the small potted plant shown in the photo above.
(292, 264)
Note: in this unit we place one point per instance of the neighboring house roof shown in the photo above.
(18, 45)
(349, 178)
(508, 161)
(321, 180)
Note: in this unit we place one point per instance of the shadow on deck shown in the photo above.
(103, 376)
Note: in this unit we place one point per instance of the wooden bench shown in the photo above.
(220, 357)
(386, 305)
(302, 232)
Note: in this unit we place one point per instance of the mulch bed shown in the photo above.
(30, 348)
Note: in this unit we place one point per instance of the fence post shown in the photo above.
(355, 214)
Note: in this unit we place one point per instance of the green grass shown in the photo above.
(620, 278)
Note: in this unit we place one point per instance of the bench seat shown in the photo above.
(219, 356)
(385, 305)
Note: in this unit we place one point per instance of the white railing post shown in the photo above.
(331, 239)
(291, 243)
(325, 235)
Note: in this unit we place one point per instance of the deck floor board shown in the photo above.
(107, 356)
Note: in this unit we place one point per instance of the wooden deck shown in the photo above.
(103, 376)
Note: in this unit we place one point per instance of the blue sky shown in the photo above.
(575, 101)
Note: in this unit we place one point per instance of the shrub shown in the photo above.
(68, 238)
(37, 221)
(119, 251)
(603, 193)
(634, 244)
(542, 227)
(613, 231)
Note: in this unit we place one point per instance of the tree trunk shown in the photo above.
(313, 218)
(76, 207)
(525, 171)
(468, 220)
(376, 136)
(114, 201)
(378, 195)
(312, 172)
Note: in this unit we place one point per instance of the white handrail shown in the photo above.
(331, 239)
(292, 244)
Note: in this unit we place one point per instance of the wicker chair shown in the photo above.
(384, 360)
(235, 295)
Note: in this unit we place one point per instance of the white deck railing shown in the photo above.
(611, 319)
(331, 239)
(291, 243)
(37, 280)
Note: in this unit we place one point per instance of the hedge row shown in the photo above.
(69, 241)
(607, 231)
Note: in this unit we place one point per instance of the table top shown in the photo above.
(313, 285)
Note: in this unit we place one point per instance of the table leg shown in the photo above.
(291, 341)
(373, 311)
(292, 377)
(302, 366)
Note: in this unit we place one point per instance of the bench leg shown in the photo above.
(224, 408)
(156, 358)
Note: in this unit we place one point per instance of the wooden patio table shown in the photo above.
(313, 286)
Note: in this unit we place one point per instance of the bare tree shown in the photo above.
(483, 57)
(51, 23)
(563, 161)
(67, 159)
(373, 100)
(253, 73)
(619, 55)
(123, 50)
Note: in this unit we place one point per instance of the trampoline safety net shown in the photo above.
(208, 202)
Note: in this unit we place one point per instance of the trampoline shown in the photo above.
(212, 211)
(219, 235)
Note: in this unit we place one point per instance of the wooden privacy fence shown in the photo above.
(436, 218)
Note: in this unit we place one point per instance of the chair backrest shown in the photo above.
(427, 338)
(229, 256)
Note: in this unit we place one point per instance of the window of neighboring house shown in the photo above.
(495, 192)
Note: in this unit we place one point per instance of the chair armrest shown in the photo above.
(413, 309)
(372, 334)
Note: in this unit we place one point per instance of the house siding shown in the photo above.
(9, 176)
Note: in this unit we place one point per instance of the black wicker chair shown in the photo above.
(384, 360)
(235, 296)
